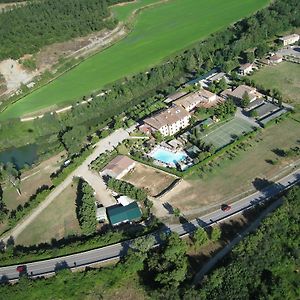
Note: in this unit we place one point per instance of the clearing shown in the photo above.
(150, 179)
(57, 221)
(235, 177)
(155, 36)
(284, 77)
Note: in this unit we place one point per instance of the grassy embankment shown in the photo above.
(158, 32)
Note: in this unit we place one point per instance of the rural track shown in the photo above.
(106, 144)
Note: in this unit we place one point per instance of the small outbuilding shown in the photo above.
(101, 215)
(118, 167)
(245, 69)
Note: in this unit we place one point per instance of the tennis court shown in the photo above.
(226, 133)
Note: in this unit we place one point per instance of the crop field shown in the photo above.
(157, 33)
(284, 77)
(228, 132)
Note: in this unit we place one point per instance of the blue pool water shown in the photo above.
(168, 156)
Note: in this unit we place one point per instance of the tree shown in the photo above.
(200, 237)
(216, 233)
(86, 208)
(261, 50)
(177, 212)
(250, 57)
(3, 210)
(169, 264)
(245, 100)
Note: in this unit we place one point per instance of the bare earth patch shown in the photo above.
(150, 179)
(14, 74)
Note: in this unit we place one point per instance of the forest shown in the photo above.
(24, 30)
(265, 265)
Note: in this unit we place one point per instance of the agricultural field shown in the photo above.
(284, 77)
(226, 133)
(233, 178)
(150, 179)
(156, 35)
(57, 221)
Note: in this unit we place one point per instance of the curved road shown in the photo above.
(88, 258)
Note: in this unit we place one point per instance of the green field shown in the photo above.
(158, 32)
(228, 132)
(57, 221)
(284, 77)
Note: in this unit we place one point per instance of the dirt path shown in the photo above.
(106, 144)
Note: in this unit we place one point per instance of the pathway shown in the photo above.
(106, 144)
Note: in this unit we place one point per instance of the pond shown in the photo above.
(20, 156)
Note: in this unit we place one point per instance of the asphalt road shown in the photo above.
(47, 267)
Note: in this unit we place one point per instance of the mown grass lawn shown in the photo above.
(57, 221)
(158, 32)
(284, 77)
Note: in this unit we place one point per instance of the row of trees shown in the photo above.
(86, 208)
(127, 189)
(25, 29)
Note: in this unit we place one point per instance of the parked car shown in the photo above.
(225, 207)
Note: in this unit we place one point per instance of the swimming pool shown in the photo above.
(168, 156)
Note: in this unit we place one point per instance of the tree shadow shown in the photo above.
(62, 265)
(279, 152)
(4, 279)
(169, 208)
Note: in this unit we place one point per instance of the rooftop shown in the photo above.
(245, 66)
(101, 213)
(291, 36)
(175, 96)
(118, 213)
(240, 91)
(275, 57)
(266, 109)
(167, 117)
(119, 164)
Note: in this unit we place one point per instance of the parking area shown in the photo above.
(226, 133)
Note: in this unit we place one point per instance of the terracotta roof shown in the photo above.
(190, 99)
(245, 66)
(275, 57)
(240, 91)
(119, 164)
(167, 117)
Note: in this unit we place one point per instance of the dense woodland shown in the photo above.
(24, 30)
(265, 265)
(226, 48)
